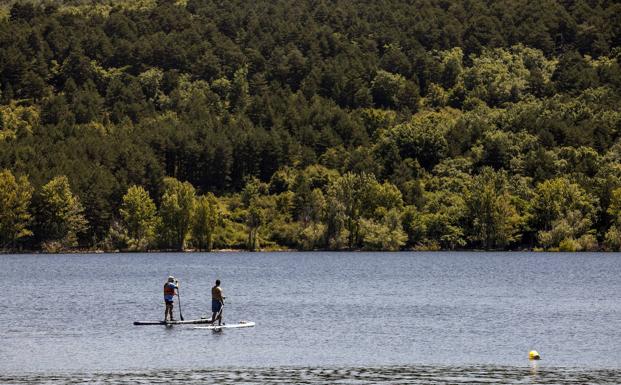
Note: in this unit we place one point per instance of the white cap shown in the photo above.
(171, 279)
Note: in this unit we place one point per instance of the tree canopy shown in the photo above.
(391, 124)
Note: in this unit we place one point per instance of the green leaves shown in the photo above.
(394, 91)
(357, 201)
(205, 218)
(176, 209)
(17, 121)
(15, 217)
(561, 210)
(139, 217)
(254, 219)
(493, 219)
(422, 138)
(387, 234)
(469, 112)
(499, 75)
(60, 215)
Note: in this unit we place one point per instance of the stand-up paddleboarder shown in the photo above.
(169, 295)
(217, 301)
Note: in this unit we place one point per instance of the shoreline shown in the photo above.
(194, 251)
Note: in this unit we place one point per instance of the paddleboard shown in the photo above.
(241, 324)
(191, 321)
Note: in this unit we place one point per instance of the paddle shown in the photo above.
(179, 297)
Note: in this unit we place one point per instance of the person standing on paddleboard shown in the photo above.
(217, 301)
(169, 295)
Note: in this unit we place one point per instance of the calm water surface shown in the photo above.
(420, 318)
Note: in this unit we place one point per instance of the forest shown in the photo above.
(310, 125)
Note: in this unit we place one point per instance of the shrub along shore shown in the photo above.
(310, 125)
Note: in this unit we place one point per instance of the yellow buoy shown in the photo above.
(533, 355)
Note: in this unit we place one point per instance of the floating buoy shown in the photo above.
(533, 355)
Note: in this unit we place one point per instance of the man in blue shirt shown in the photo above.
(169, 295)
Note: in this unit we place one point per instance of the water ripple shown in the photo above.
(430, 375)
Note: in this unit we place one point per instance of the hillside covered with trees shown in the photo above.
(310, 124)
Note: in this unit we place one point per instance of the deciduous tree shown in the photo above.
(139, 217)
(204, 221)
(176, 208)
(60, 215)
(15, 218)
(494, 221)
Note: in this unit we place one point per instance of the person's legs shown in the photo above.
(216, 308)
(168, 312)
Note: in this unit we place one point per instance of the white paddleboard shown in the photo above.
(191, 321)
(241, 324)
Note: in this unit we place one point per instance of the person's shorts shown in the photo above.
(216, 305)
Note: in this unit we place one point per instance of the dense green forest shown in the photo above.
(310, 124)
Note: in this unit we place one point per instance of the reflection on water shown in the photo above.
(355, 375)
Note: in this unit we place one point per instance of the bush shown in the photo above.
(613, 239)
(588, 242)
(569, 245)
(52, 247)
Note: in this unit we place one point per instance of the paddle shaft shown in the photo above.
(179, 298)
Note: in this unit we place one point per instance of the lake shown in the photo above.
(321, 317)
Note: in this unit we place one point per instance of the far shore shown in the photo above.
(286, 250)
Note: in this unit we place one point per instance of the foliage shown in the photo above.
(387, 234)
(613, 238)
(17, 121)
(15, 217)
(494, 218)
(140, 218)
(312, 124)
(205, 218)
(176, 209)
(254, 219)
(562, 210)
(60, 214)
